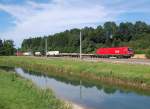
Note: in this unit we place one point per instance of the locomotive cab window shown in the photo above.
(129, 49)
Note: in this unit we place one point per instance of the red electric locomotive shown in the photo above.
(119, 52)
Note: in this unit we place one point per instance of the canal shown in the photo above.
(88, 95)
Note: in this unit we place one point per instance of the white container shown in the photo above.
(50, 53)
(27, 54)
(37, 53)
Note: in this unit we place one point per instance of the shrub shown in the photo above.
(148, 54)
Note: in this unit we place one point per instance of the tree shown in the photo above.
(98, 35)
(8, 47)
(125, 31)
(110, 29)
(148, 54)
(1, 47)
(139, 28)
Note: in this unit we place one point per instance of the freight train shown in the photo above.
(118, 52)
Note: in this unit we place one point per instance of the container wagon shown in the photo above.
(27, 54)
(52, 53)
(118, 52)
(37, 54)
(18, 53)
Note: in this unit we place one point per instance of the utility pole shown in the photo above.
(46, 46)
(80, 45)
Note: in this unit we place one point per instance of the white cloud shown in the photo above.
(35, 19)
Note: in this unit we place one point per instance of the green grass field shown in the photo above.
(125, 72)
(18, 93)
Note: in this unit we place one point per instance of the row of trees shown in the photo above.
(7, 47)
(135, 35)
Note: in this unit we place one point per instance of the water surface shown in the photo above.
(89, 95)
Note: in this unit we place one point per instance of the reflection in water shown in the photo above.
(80, 89)
(88, 94)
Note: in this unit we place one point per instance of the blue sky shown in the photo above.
(20, 19)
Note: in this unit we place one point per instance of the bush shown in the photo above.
(148, 54)
(137, 51)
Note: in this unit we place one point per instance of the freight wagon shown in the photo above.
(37, 54)
(18, 53)
(52, 53)
(118, 52)
(27, 54)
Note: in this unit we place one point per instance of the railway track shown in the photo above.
(110, 60)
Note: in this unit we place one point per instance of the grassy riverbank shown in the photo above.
(18, 93)
(132, 75)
